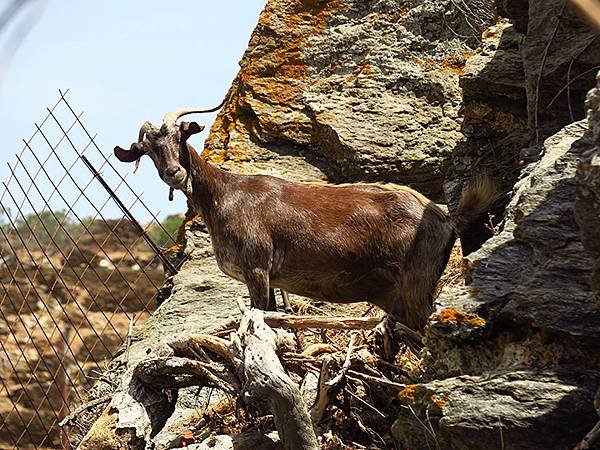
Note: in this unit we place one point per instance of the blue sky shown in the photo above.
(124, 62)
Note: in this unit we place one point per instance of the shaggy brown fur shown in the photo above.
(384, 244)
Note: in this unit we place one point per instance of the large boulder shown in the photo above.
(527, 80)
(349, 90)
(514, 354)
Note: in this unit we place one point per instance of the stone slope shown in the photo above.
(559, 46)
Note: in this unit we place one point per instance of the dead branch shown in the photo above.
(176, 372)
(223, 328)
(255, 345)
(367, 405)
(81, 408)
(282, 320)
(189, 344)
(378, 381)
(328, 386)
(248, 366)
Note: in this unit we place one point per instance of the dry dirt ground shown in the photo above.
(69, 304)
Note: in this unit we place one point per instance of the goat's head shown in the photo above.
(167, 147)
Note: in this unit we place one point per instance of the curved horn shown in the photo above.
(145, 128)
(173, 116)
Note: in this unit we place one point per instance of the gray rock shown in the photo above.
(560, 45)
(517, 11)
(517, 410)
(524, 84)
(201, 297)
(535, 271)
(494, 124)
(587, 207)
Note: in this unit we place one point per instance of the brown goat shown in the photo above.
(384, 244)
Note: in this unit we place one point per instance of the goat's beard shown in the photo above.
(181, 183)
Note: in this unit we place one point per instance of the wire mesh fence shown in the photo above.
(73, 278)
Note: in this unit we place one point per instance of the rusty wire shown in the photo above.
(62, 315)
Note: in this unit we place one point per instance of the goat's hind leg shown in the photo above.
(272, 306)
(273, 301)
(257, 281)
(286, 302)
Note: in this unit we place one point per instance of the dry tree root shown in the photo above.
(264, 378)
(337, 391)
(291, 321)
(329, 386)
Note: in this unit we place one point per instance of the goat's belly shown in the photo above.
(374, 286)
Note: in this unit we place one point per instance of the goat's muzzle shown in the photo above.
(175, 176)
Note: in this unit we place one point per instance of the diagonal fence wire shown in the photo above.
(70, 281)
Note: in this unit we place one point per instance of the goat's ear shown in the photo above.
(133, 154)
(189, 128)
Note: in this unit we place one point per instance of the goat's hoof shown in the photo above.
(289, 310)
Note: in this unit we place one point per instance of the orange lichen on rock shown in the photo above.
(173, 249)
(440, 400)
(407, 395)
(424, 397)
(190, 217)
(273, 73)
(455, 64)
(459, 318)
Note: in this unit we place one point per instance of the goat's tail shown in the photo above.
(475, 200)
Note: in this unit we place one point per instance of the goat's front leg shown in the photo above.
(257, 281)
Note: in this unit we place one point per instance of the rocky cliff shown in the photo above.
(429, 93)
(349, 90)
(515, 350)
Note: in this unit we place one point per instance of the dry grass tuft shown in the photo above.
(454, 273)
(478, 14)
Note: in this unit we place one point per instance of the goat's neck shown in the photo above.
(207, 184)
